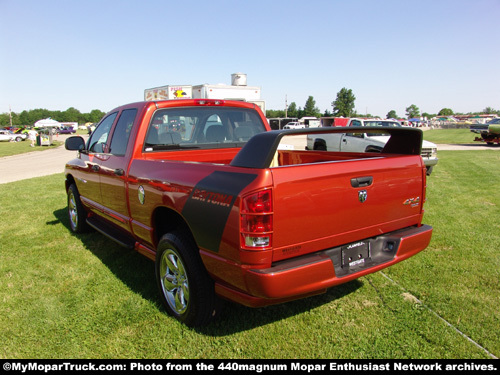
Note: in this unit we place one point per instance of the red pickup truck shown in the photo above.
(227, 210)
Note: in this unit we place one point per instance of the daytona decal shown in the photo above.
(210, 203)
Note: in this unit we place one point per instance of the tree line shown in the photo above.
(344, 106)
(29, 117)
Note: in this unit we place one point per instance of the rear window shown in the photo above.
(201, 127)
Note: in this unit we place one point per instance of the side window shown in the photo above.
(99, 137)
(356, 135)
(122, 131)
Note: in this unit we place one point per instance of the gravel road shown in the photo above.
(34, 164)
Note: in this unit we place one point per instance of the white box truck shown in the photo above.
(169, 92)
(238, 90)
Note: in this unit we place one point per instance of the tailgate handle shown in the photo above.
(361, 181)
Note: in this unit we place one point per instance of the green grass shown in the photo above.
(14, 148)
(453, 136)
(67, 296)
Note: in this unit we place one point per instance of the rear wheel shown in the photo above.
(186, 289)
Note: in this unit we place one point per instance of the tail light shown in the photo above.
(209, 102)
(257, 220)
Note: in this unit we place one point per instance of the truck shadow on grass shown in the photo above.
(137, 272)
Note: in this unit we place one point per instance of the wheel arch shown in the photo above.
(70, 180)
(373, 148)
(320, 144)
(165, 220)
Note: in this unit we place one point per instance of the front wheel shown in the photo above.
(76, 212)
(186, 289)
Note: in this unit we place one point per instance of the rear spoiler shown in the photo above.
(259, 151)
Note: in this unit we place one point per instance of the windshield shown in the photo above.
(201, 127)
(380, 123)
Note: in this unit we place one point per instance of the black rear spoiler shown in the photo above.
(259, 151)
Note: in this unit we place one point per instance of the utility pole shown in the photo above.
(10, 116)
(286, 106)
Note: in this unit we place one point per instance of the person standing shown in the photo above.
(32, 134)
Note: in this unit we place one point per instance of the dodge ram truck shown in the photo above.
(208, 192)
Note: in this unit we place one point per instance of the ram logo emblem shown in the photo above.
(362, 195)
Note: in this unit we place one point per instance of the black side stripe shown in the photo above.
(209, 204)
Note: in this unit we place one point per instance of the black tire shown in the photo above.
(320, 145)
(76, 213)
(186, 289)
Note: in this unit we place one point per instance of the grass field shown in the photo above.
(454, 136)
(14, 148)
(67, 296)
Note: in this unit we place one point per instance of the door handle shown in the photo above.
(96, 168)
(361, 181)
(119, 172)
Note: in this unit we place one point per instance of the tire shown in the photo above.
(19, 139)
(320, 145)
(186, 289)
(76, 212)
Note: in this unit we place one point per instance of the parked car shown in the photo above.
(490, 132)
(66, 130)
(294, 125)
(7, 135)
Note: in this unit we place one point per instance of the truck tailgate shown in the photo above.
(322, 205)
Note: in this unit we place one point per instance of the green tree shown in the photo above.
(412, 111)
(392, 114)
(310, 109)
(94, 116)
(275, 113)
(344, 104)
(292, 110)
(445, 112)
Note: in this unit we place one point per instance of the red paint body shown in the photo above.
(314, 214)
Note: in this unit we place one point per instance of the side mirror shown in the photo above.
(75, 143)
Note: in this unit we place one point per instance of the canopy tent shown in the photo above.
(47, 123)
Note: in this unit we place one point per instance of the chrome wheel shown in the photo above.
(76, 212)
(174, 281)
(186, 290)
(72, 211)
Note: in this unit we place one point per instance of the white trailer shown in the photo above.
(238, 90)
(169, 92)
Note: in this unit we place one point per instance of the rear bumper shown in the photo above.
(314, 273)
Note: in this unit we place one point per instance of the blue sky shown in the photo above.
(99, 54)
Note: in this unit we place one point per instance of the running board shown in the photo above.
(111, 232)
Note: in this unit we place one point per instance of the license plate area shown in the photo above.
(355, 254)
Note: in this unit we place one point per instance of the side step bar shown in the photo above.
(111, 232)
